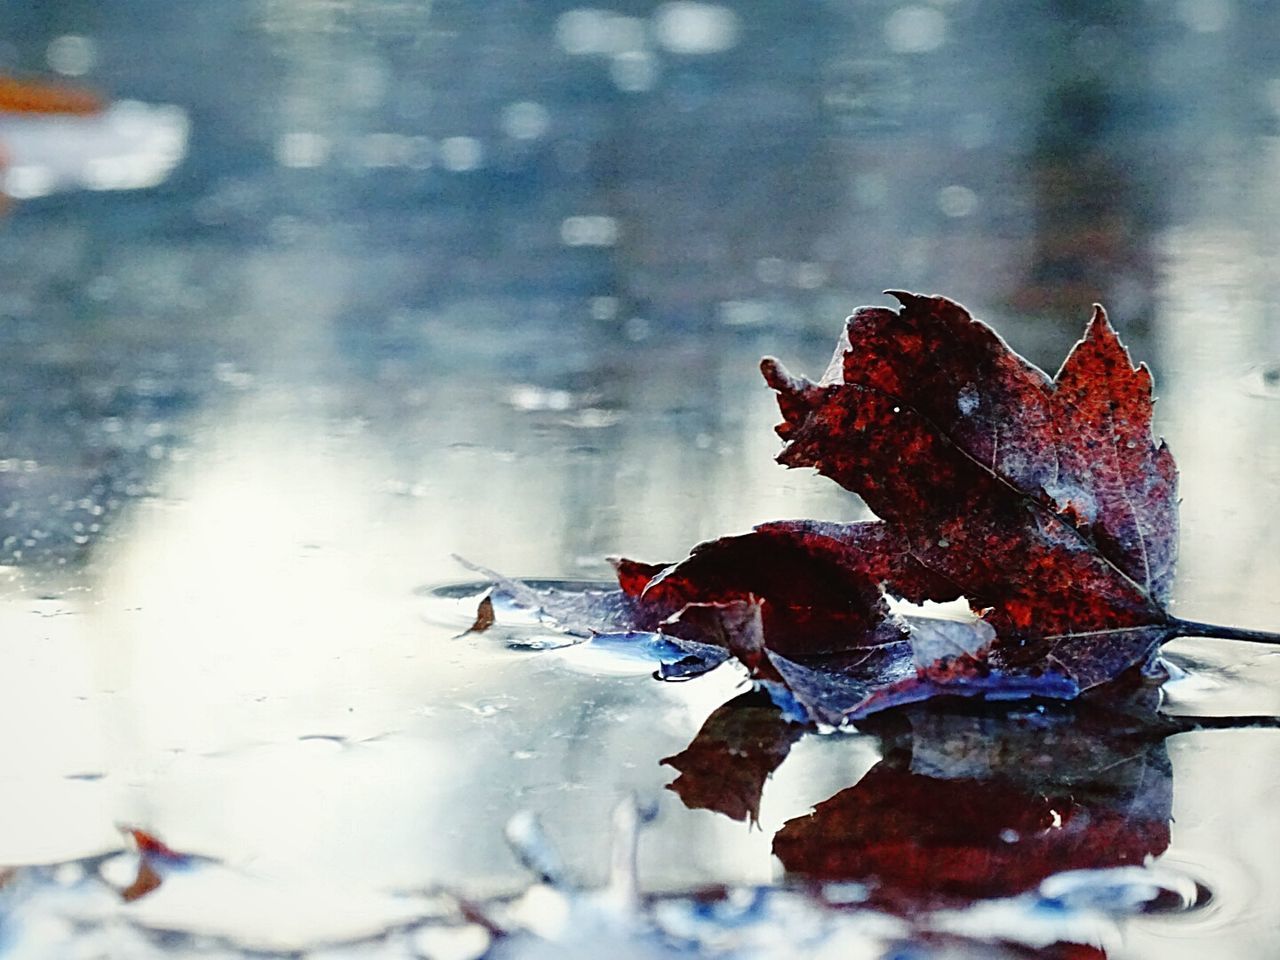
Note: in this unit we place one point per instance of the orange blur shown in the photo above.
(26, 96)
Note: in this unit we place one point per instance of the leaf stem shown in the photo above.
(1194, 724)
(1193, 628)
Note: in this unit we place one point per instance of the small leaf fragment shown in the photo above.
(485, 617)
(147, 880)
(152, 846)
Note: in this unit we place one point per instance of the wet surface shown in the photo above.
(494, 281)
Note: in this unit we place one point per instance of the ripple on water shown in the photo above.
(1220, 678)
(1263, 380)
(1221, 893)
(1080, 906)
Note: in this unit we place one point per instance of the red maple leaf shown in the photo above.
(1045, 502)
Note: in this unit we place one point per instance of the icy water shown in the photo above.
(493, 280)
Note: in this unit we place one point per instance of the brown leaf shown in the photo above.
(146, 881)
(485, 617)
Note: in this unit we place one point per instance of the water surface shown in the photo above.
(493, 280)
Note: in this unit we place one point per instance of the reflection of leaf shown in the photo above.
(151, 851)
(1044, 502)
(968, 807)
(738, 747)
(145, 882)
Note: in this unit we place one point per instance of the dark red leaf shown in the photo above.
(151, 851)
(916, 658)
(819, 582)
(998, 480)
(923, 836)
(1044, 502)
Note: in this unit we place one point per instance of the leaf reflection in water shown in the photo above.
(1030, 826)
(725, 767)
(963, 808)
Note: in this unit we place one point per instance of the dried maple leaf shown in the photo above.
(1045, 502)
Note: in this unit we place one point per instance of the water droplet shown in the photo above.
(1263, 381)
(1206, 16)
(71, 55)
(525, 120)
(589, 231)
(692, 28)
(302, 150)
(486, 708)
(468, 942)
(461, 154)
(914, 29)
(634, 71)
(956, 201)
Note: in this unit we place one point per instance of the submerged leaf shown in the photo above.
(152, 847)
(148, 879)
(152, 854)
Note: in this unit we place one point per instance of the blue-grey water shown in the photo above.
(492, 279)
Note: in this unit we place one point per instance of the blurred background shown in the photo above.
(326, 292)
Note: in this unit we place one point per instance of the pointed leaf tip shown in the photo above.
(1100, 321)
(904, 297)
